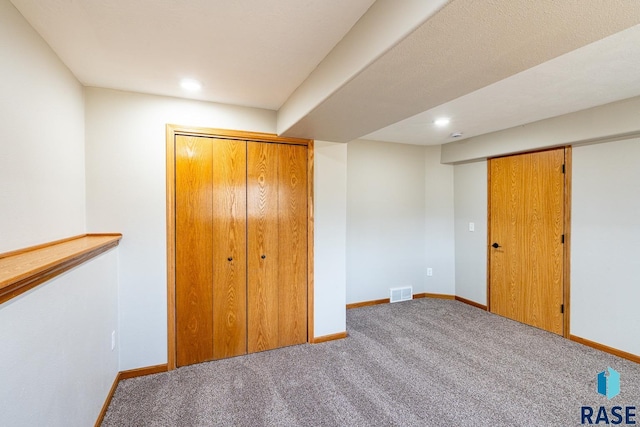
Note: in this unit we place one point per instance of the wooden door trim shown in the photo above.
(171, 132)
(567, 240)
(171, 247)
(235, 134)
(489, 235)
(567, 234)
(310, 252)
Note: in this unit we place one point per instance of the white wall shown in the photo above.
(126, 192)
(439, 224)
(55, 341)
(470, 189)
(399, 220)
(385, 219)
(330, 222)
(605, 252)
(605, 211)
(55, 347)
(42, 192)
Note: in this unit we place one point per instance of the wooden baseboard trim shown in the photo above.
(107, 401)
(386, 300)
(331, 337)
(140, 372)
(437, 296)
(367, 303)
(471, 303)
(606, 349)
(123, 375)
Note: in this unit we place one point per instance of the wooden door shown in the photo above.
(292, 242)
(210, 249)
(229, 235)
(262, 232)
(526, 223)
(194, 250)
(241, 247)
(277, 255)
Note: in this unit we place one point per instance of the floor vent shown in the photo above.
(401, 294)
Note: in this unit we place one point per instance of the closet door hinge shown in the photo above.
(563, 169)
(561, 308)
(562, 239)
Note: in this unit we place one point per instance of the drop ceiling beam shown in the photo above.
(462, 47)
(385, 24)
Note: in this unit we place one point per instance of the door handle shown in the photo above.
(496, 246)
(229, 259)
(263, 256)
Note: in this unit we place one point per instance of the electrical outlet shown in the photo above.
(429, 271)
(113, 340)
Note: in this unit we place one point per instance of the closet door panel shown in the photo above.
(262, 235)
(194, 250)
(292, 236)
(229, 248)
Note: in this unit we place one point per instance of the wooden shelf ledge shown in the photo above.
(24, 269)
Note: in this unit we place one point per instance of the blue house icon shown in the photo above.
(609, 385)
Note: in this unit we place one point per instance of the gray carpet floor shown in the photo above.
(425, 362)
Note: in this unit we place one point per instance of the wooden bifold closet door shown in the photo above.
(241, 247)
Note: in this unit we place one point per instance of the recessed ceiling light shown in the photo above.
(190, 85)
(443, 121)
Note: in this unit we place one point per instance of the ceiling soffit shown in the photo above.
(465, 46)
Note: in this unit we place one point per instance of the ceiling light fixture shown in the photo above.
(441, 122)
(456, 135)
(191, 85)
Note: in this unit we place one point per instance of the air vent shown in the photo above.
(400, 294)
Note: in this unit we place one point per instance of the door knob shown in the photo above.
(495, 245)
(229, 259)
(263, 256)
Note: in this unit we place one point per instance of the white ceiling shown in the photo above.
(338, 70)
(245, 52)
(602, 72)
